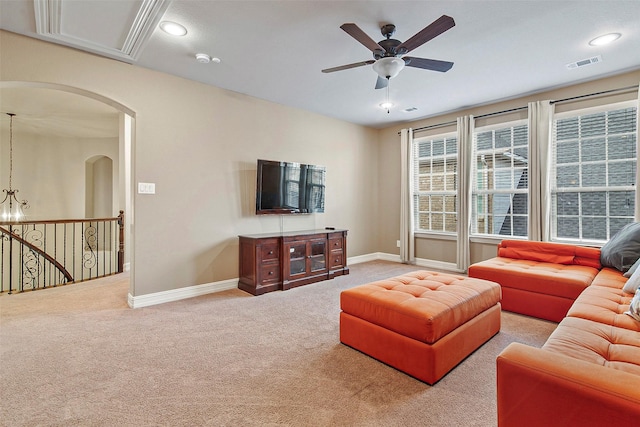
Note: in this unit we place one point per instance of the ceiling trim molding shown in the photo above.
(149, 15)
(49, 15)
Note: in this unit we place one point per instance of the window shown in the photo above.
(435, 183)
(593, 173)
(500, 180)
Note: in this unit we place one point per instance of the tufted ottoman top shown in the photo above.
(422, 305)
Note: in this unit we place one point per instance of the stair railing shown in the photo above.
(48, 253)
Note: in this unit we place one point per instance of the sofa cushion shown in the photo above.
(604, 302)
(598, 343)
(555, 253)
(566, 281)
(623, 249)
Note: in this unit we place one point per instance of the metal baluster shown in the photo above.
(47, 266)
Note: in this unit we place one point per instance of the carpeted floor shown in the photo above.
(78, 356)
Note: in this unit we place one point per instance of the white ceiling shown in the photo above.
(275, 50)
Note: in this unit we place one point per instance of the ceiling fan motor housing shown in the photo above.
(390, 47)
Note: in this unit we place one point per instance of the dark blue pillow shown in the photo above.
(623, 250)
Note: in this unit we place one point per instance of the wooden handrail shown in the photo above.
(59, 221)
(40, 252)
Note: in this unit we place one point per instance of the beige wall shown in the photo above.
(50, 171)
(199, 145)
(389, 179)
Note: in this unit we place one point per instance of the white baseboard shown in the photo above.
(225, 285)
(420, 262)
(181, 293)
(376, 256)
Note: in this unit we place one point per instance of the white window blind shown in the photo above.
(500, 180)
(593, 172)
(435, 183)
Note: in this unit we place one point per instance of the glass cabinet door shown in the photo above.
(297, 258)
(318, 251)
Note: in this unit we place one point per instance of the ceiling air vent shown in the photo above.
(585, 62)
(410, 109)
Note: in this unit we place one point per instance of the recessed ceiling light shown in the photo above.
(386, 105)
(173, 28)
(605, 39)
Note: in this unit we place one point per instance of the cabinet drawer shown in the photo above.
(336, 260)
(270, 251)
(270, 273)
(335, 243)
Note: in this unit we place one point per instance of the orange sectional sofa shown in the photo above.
(540, 279)
(588, 371)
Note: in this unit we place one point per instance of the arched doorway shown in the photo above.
(68, 113)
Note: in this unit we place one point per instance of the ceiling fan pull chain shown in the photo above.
(388, 103)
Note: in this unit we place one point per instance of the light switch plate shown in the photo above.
(146, 188)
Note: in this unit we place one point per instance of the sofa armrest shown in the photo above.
(537, 387)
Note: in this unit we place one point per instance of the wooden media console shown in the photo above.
(280, 261)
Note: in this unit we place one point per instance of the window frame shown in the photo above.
(475, 191)
(579, 190)
(416, 193)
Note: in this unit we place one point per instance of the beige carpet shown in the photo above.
(78, 356)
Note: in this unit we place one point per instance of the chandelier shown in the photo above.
(10, 207)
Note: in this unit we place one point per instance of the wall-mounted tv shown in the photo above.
(289, 188)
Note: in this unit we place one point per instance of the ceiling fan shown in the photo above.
(388, 54)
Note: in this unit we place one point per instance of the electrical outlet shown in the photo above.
(398, 243)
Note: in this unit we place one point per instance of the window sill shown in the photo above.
(492, 240)
(436, 236)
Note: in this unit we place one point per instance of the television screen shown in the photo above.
(289, 188)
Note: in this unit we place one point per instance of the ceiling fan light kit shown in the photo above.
(388, 67)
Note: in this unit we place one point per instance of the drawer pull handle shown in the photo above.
(271, 273)
(270, 252)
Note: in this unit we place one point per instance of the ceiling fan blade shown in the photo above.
(354, 31)
(346, 67)
(431, 31)
(427, 64)
(381, 83)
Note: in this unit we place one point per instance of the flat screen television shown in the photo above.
(289, 188)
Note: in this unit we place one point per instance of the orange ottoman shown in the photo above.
(423, 323)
